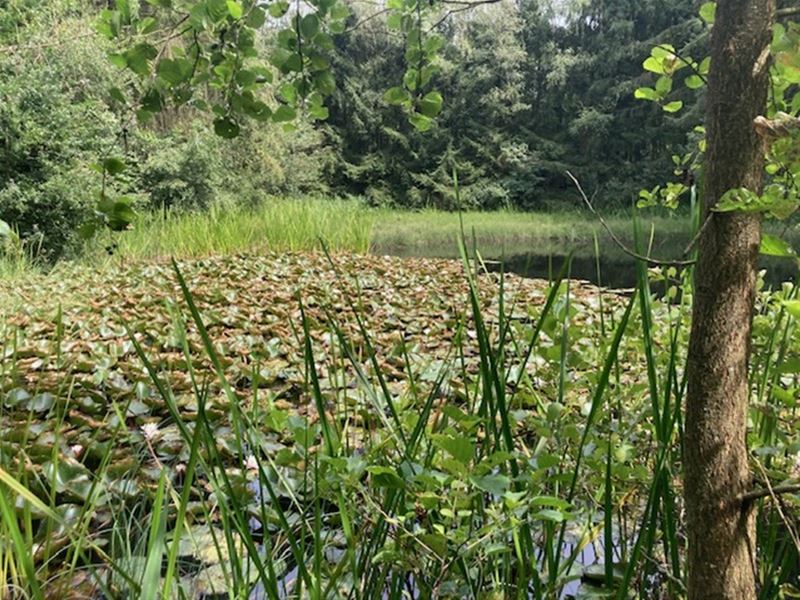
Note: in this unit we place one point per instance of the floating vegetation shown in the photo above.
(293, 425)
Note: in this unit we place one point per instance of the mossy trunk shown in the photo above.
(721, 531)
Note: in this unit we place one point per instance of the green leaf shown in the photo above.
(319, 112)
(672, 107)
(664, 85)
(663, 51)
(646, 93)
(739, 199)
(121, 215)
(138, 58)
(386, 477)
(309, 26)
(278, 9)
(774, 246)
(420, 122)
(792, 307)
(431, 104)
(396, 95)
(235, 9)
(118, 60)
(284, 113)
(148, 25)
(394, 21)
(694, 82)
(653, 65)
(462, 448)
(494, 484)
(410, 79)
(226, 128)
(549, 514)
(708, 12)
(113, 166)
(256, 18)
(175, 71)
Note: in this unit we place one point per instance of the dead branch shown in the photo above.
(648, 259)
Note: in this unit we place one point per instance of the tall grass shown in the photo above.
(277, 224)
(503, 232)
(16, 257)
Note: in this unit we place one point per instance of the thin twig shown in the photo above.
(684, 61)
(778, 505)
(648, 259)
(367, 19)
(697, 235)
(754, 495)
(462, 6)
(789, 11)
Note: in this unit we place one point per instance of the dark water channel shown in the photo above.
(617, 269)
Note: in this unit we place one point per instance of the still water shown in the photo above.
(617, 269)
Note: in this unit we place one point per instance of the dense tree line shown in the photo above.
(531, 89)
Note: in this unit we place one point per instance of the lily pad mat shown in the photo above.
(68, 364)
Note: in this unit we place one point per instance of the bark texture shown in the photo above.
(721, 533)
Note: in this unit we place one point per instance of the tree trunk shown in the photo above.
(721, 531)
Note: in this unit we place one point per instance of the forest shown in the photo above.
(399, 299)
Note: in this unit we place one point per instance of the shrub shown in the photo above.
(53, 122)
(181, 172)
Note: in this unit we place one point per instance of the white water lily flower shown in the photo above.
(251, 464)
(76, 450)
(150, 430)
(796, 468)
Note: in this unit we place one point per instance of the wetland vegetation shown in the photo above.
(307, 300)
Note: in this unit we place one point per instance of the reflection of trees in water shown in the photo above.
(617, 269)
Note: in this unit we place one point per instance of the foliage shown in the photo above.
(779, 129)
(53, 121)
(181, 173)
(60, 124)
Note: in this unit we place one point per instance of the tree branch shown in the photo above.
(754, 495)
(685, 61)
(648, 259)
(690, 246)
(462, 6)
(789, 11)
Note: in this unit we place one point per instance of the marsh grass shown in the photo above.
(298, 224)
(501, 233)
(276, 224)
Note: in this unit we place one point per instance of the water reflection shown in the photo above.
(617, 270)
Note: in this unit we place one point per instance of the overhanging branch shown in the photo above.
(648, 259)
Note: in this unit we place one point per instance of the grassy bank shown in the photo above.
(287, 224)
(278, 224)
(501, 232)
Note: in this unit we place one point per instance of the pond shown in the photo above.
(617, 269)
